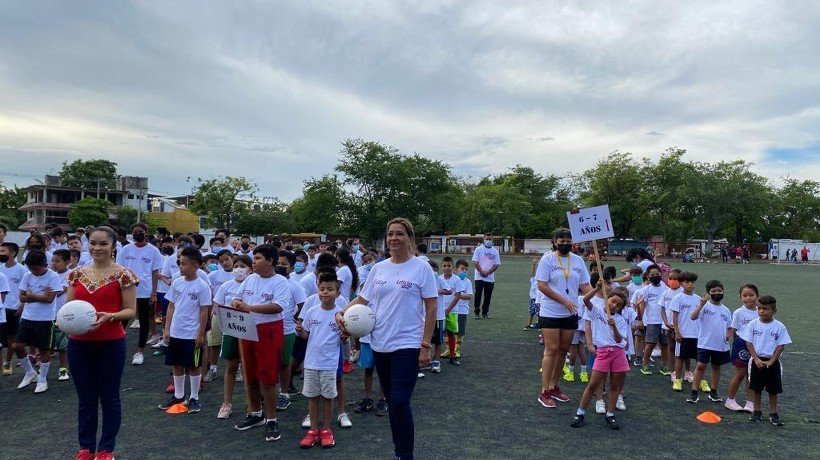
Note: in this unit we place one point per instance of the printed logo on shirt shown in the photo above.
(775, 335)
(379, 282)
(333, 326)
(267, 296)
(145, 260)
(193, 296)
(404, 284)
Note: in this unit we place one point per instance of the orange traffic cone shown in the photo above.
(709, 417)
(178, 408)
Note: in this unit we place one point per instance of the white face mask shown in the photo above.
(240, 273)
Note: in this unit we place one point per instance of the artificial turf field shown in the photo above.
(487, 408)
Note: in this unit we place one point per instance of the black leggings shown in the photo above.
(144, 318)
(484, 288)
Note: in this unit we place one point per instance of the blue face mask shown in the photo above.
(355, 248)
(637, 279)
(213, 267)
(216, 249)
(488, 243)
(463, 275)
(299, 267)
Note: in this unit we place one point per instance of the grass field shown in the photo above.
(485, 409)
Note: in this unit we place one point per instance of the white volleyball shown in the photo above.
(359, 320)
(76, 317)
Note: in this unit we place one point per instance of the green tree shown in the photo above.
(88, 211)
(665, 182)
(224, 200)
(125, 216)
(269, 218)
(321, 207)
(10, 201)
(89, 174)
(795, 211)
(498, 208)
(547, 196)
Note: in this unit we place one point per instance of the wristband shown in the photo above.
(425, 345)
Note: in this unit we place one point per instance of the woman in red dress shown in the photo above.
(97, 358)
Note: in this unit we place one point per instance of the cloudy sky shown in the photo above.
(268, 90)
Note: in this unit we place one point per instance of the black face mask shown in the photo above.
(717, 297)
(139, 237)
(4, 259)
(564, 248)
(167, 251)
(656, 280)
(244, 246)
(281, 271)
(35, 247)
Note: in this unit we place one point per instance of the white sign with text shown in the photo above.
(238, 323)
(590, 224)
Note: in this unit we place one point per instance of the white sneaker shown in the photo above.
(306, 421)
(421, 375)
(27, 380)
(600, 407)
(656, 352)
(620, 405)
(688, 376)
(159, 344)
(41, 387)
(749, 407)
(154, 339)
(225, 411)
(344, 420)
(138, 359)
(135, 325)
(732, 405)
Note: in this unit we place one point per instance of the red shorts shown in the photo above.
(260, 360)
(610, 359)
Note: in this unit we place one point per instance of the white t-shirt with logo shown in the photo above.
(313, 300)
(14, 275)
(308, 283)
(485, 258)
(345, 277)
(324, 338)
(297, 276)
(644, 264)
(398, 292)
(667, 297)
(602, 335)
(256, 290)
(551, 272)
(60, 300)
(162, 286)
(288, 313)
(216, 278)
(685, 304)
(713, 322)
(142, 261)
(85, 259)
(226, 293)
(456, 286)
(41, 311)
(188, 298)
(742, 317)
(652, 295)
(765, 337)
(441, 285)
(463, 305)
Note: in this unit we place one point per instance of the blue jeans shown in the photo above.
(96, 369)
(398, 371)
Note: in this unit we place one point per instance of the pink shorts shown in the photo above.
(610, 359)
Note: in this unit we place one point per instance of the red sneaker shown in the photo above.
(546, 400)
(347, 366)
(84, 454)
(326, 437)
(311, 439)
(104, 455)
(559, 395)
(170, 388)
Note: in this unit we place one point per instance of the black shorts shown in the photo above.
(12, 323)
(567, 323)
(687, 349)
(717, 358)
(438, 333)
(35, 334)
(299, 349)
(182, 352)
(769, 379)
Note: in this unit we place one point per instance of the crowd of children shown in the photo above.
(293, 291)
(660, 314)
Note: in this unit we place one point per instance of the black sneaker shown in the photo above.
(578, 422)
(193, 406)
(365, 405)
(713, 396)
(171, 402)
(775, 419)
(610, 420)
(272, 431)
(456, 361)
(757, 416)
(477, 316)
(694, 398)
(250, 421)
(292, 390)
(381, 408)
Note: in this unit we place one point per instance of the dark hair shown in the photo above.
(121, 232)
(326, 260)
(139, 225)
(288, 255)
(301, 255)
(344, 257)
(244, 236)
(73, 253)
(653, 267)
(36, 258)
(208, 257)
(199, 240)
(222, 230)
(593, 266)
(223, 253)
(749, 286)
(62, 254)
(422, 248)
(191, 254)
(688, 276)
(635, 271)
(162, 231)
(245, 259)
(461, 262)
(327, 276)
(447, 259)
(109, 232)
(4, 228)
(638, 252)
(711, 284)
(676, 271)
(13, 247)
(433, 265)
(37, 236)
(216, 238)
(624, 296)
(562, 233)
(594, 278)
(767, 300)
(73, 237)
(609, 273)
(332, 248)
(57, 231)
(166, 239)
(268, 252)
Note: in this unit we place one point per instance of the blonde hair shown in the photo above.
(408, 227)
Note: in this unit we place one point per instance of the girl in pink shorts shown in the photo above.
(608, 342)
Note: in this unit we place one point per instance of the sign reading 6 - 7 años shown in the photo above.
(590, 224)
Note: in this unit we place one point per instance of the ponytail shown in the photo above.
(344, 257)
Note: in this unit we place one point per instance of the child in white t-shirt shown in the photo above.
(714, 331)
(740, 352)
(59, 341)
(444, 292)
(686, 329)
(533, 308)
(667, 327)
(450, 303)
(189, 302)
(766, 339)
(462, 308)
(323, 335)
(577, 350)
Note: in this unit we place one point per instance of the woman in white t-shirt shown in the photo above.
(404, 292)
(560, 275)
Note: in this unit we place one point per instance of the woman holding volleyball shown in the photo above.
(402, 291)
(97, 358)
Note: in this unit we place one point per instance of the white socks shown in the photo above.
(27, 365)
(179, 386)
(195, 379)
(43, 377)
